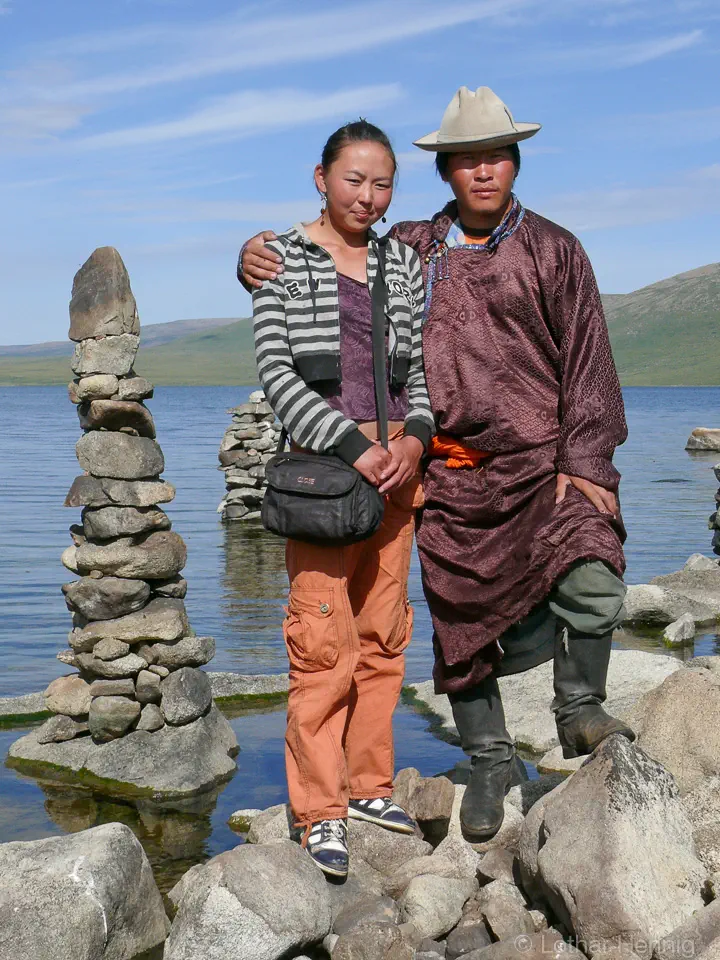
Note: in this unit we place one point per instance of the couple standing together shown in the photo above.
(501, 387)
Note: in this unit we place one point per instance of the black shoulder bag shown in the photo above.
(318, 498)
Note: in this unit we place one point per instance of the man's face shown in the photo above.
(482, 180)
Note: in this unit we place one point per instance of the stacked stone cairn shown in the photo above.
(714, 522)
(131, 642)
(249, 442)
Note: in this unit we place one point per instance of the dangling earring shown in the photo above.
(323, 207)
(384, 219)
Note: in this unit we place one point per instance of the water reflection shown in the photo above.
(254, 591)
(175, 834)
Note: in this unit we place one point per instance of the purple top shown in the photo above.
(355, 396)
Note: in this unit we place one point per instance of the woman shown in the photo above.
(348, 619)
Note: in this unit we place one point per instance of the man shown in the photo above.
(520, 539)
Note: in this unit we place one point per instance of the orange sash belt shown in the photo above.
(457, 454)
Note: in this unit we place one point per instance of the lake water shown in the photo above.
(237, 585)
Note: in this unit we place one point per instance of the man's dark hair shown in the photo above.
(359, 131)
(442, 160)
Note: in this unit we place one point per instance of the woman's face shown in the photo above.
(358, 185)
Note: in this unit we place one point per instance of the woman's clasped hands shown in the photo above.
(390, 469)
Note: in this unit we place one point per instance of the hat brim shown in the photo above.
(482, 141)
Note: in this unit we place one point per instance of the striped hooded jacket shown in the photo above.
(297, 342)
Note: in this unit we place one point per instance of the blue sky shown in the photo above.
(174, 129)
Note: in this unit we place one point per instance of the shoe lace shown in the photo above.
(334, 829)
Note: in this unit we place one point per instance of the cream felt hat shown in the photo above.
(476, 118)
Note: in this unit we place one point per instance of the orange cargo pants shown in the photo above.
(348, 623)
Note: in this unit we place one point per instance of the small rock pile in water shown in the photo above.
(249, 442)
(714, 521)
(131, 640)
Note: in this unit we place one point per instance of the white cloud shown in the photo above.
(612, 56)
(249, 112)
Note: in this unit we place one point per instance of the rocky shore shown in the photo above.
(619, 859)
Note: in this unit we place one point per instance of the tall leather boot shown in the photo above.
(581, 665)
(480, 719)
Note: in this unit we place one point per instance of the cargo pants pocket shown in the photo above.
(310, 630)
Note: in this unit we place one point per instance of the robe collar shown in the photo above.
(446, 226)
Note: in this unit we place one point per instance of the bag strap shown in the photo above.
(379, 301)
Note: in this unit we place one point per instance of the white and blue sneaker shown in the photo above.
(327, 846)
(383, 812)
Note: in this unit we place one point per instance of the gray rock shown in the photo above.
(105, 523)
(699, 586)
(69, 696)
(111, 717)
(527, 696)
(173, 762)
(102, 302)
(434, 904)
(680, 632)
(134, 388)
(436, 865)
(27, 704)
(374, 941)
(364, 910)
(156, 557)
(618, 863)
(549, 945)
(382, 850)
(112, 688)
(186, 695)
(525, 795)
(160, 671)
(69, 559)
(160, 619)
(113, 355)
(60, 728)
(185, 652)
(107, 598)
(68, 658)
(405, 783)
(175, 588)
(498, 864)
(105, 492)
(654, 605)
(151, 718)
(467, 937)
(679, 727)
(147, 687)
(240, 458)
(127, 666)
(699, 561)
(553, 762)
(257, 410)
(117, 415)
(703, 438)
(690, 938)
(87, 896)
(111, 649)
(503, 909)
(240, 820)
(251, 903)
(430, 802)
(275, 823)
(119, 456)
(712, 951)
(96, 387)
(531, 840)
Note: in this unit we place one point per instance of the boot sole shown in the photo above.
(571, 753)
(471, 837)
(369, 818)
(330, 871)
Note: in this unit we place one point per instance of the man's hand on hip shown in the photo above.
(604, 500)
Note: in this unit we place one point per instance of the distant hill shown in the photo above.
(666, 334)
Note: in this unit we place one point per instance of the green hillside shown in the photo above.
(666, 334)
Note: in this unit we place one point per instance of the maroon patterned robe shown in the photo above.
(518, 363)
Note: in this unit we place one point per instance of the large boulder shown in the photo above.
(105, 523)
(696, 584)
(119, 456)
(105, 598)
(653, 605)
(157, 556)
(251, 903)
(693, 936)
(434, 904)
(679, 726)
(116, 415)
(113, 355)
(172, 762)
(527, 696)
(702, 806)
(161, 619)
(102, 302)
(615, 856)
(87, 896)
(104, 492)
(703, 438)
